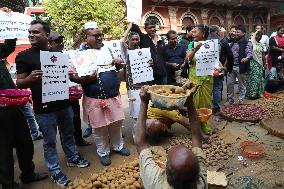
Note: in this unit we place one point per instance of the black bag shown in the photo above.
(185, 70)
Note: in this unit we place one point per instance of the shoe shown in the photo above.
(79, 162)
(38, 137)
(88, 131)
(60, 179)
(33, 178)
(82, 142)
(124, 152)
(105, 160)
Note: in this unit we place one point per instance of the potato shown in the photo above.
(179, 90)
(97, 184)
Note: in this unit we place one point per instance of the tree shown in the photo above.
(68, 16)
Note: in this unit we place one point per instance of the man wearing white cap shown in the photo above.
(102, 106)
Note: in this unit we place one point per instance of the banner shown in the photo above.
(14, 25)
(141, 70)
(55, 79)
(207, 57)
(117, 48)
(134, 11)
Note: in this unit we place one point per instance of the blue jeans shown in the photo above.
(217, 92)
(161, 80)
(29, 114)
(48, 123)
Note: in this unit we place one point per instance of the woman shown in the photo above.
(203, 97)
(255, 84)
(276, 45)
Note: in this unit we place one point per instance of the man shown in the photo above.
(156, 44)
(102, 106)
(276, 47)
(242, 52)
(232, 35)
(56, 43)
(264, 39)
(14, 132)
(174, 54)
(49, 115)
(184, 167)
(226, 60)
(188, 36)
(275, 78)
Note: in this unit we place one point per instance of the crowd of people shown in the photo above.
(255, 63)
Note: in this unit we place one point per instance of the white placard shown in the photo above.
(55, 79)
(134, 11)
(88, 61)
(140, 68)
(14, 25)
(207, 58)
(83, 61)
(117, 48)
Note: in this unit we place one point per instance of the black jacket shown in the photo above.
(159, 67)
(6, 49)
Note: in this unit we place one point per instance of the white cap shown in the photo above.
(91, 25)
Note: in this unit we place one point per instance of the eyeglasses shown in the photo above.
(98, 35)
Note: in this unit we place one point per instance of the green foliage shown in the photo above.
(68, 16)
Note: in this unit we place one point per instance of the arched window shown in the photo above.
(239, 20)
(154, 16)
(215, 21)
(258, 20)
(188, 18)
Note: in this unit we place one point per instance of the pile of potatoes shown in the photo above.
(173, 91)
(215, 149)
(124, 177)
(272, 107)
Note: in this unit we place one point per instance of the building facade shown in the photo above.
(176, 14)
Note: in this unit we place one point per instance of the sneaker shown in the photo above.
(79, 162)
(124, 152)
(105, 160)
(33, 178)
(60, 179)
(88, 131)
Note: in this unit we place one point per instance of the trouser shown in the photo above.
(30, 117)
(77, 121)
(14, 132)
(274, 86)
(134, 107)
(108, 135)
(160, 80)
(48, 122)
(217, 91)
(231, 83)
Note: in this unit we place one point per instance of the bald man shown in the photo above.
(184, 169)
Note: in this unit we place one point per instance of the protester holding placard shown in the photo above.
(56, 43)
(203, 97)
(102, 106)
(52, 114)
(156, 44)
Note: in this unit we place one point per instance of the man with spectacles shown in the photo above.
(102, 106)
(56, 43)
(174, 54)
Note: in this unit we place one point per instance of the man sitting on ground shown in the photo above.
(184, 168)
(275, 78)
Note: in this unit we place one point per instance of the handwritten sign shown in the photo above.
(88, 61)
(207, 58)
(83, 61)
(14, 25)
(140, 68)
(117, 48)
(55, 76)
(134, 11)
